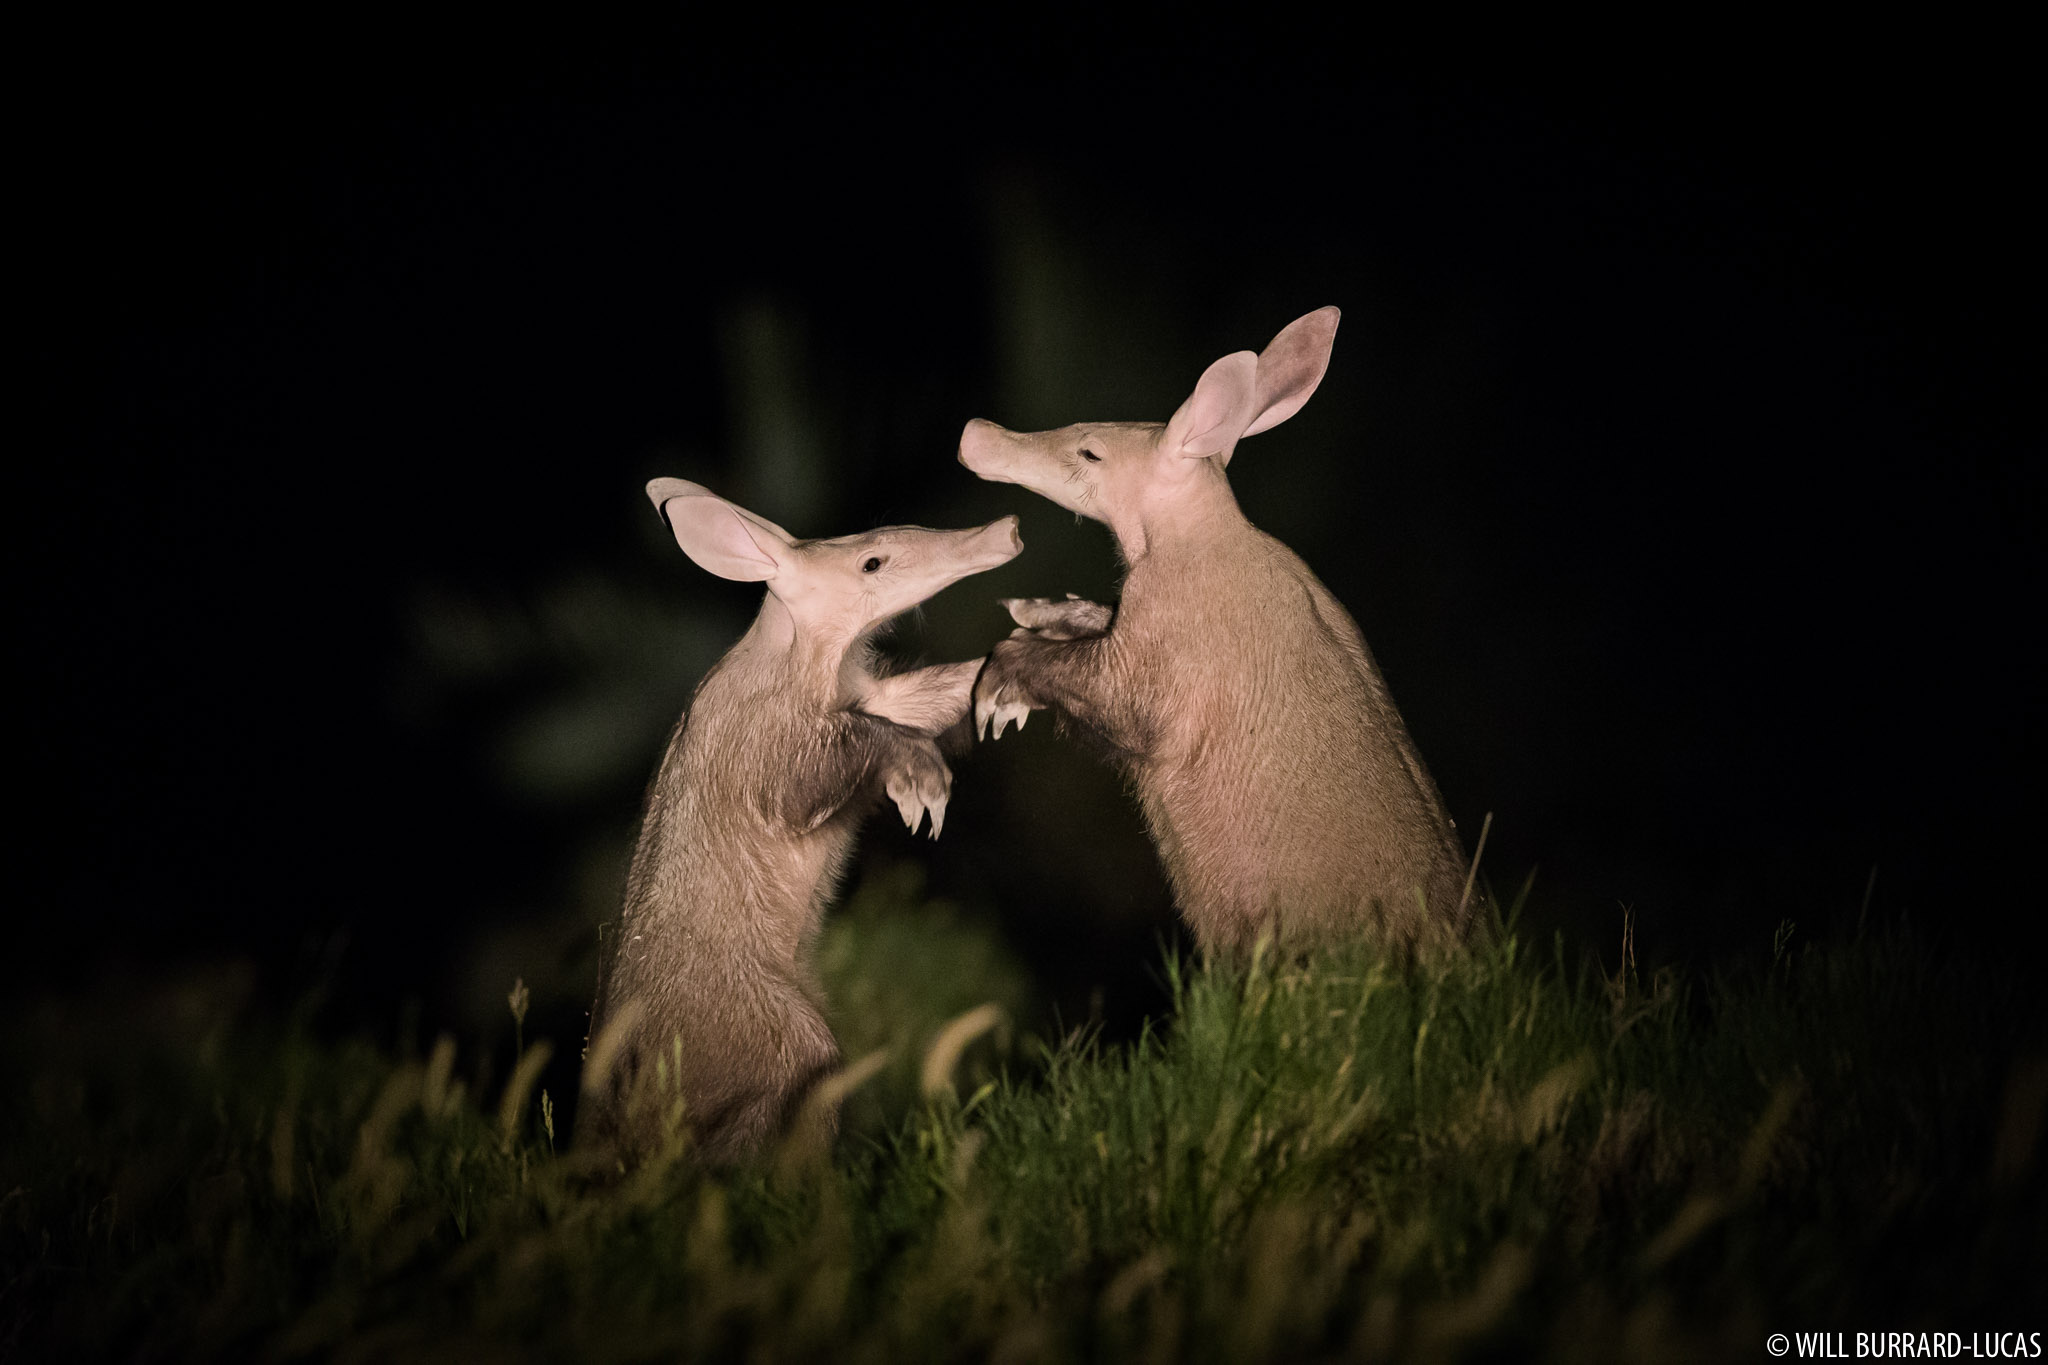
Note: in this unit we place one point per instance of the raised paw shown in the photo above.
(999, 699)
(927, 700)
(1056, 618)
(920, 784)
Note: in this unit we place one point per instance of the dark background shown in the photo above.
(1680, 457)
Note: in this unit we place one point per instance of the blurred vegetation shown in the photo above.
(1342, 1158)
(897, 968)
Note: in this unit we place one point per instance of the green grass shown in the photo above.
(1502, 1156)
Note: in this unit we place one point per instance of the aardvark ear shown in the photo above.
(1217, 412)
(1291, 366)
(727, 540)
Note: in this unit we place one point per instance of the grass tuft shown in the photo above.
(1339, 1157)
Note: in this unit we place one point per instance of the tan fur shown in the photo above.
(1275, 773)
(788, 743)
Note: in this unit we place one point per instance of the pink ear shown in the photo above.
(1215, 414)
(719, 538)
(1291, 366)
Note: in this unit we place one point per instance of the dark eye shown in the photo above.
(1091, 457)
(873, 564)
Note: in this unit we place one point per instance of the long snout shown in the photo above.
(965, 553)
(983, 445)
(996, 543)
(933, 561)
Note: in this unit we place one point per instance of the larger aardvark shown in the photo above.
(1277, 778)
(710, 996)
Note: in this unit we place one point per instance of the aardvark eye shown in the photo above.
(1091, 457)
(873, 564)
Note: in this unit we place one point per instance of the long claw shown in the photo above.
(938, 814)
(912, 812)
(1007, 713)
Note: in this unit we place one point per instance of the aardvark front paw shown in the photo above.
(1059, 618)
(921, 784)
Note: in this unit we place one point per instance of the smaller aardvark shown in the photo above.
(1278, 780)
(710, 997)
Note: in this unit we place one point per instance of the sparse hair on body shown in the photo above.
(707, 1017)
(1277, 778)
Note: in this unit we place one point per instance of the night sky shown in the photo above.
(1680, 457)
